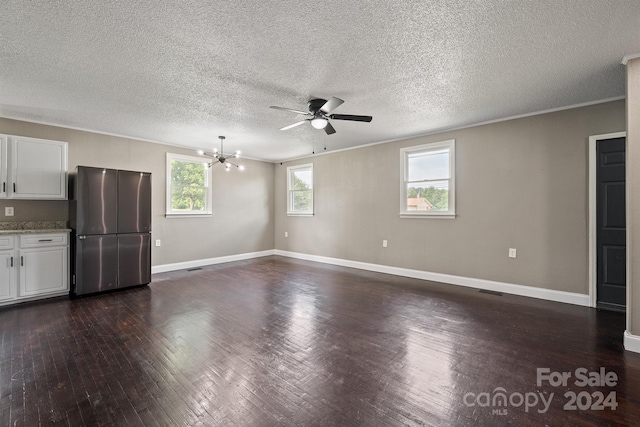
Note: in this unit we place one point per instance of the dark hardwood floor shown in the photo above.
(277, 341)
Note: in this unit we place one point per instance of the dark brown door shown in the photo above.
(611, 224)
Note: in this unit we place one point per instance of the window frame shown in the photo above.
(169, 212)
(404, 179)
(290, 171)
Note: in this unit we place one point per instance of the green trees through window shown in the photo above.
(188, 185)
(301, 195)
(300, 190)
(187, 180)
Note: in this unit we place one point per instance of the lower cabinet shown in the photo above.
(7, 276)
(43, 270)
(33, 266)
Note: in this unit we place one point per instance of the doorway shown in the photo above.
(607, 221)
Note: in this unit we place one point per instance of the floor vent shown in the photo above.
(194, 269)
(486, 291)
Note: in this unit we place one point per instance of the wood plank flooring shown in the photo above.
(276, 341)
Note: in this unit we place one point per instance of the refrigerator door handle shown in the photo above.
(21, 261)
(11, 261)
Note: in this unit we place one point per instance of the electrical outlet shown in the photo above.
(384, 243)
(512, 253)
(158, 242)
(286, 234)
(8, 211)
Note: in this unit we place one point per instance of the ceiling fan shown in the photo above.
(319, 116)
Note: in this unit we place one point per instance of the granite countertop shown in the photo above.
(26, 227)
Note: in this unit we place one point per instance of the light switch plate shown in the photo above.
(158, 242)
(8, 211)
(512, 253)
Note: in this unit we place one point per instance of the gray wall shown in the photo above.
(633, 200)
(520, 184)
(243, 219)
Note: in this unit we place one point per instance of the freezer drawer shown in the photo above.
(134, 259)
(96, 264)
(134, 202)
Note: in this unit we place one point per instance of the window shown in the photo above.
(188, 192)
(300, 190)
(428, 180)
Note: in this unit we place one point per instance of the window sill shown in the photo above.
(432, 215)
(202, 215)
(299, 214)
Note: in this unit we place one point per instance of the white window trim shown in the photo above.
(404, 175)
(169, 213)
(290, 170)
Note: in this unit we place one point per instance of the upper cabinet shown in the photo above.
(33, 168)
(3, 166)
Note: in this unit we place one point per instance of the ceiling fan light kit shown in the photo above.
(220, 157)
(318, 114)
(319, 123)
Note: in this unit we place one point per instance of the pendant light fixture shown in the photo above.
(220, 157)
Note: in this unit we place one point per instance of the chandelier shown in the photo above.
(220, 157)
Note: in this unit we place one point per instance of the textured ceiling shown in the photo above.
(184, 72)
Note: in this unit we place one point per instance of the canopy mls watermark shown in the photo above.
(499, 400)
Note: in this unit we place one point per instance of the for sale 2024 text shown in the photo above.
(582, 377)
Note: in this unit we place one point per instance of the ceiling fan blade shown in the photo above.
(329, 129)
(289, 109)
(351, 117)
(294, 125)
(331, 105)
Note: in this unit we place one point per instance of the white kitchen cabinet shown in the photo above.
(7, 269)
(33, 266)
(7, 276)
(3, 166)
(43, 271)
(33, 168)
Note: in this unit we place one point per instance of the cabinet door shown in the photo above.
(38, 168)
(7, 276)
(3, 166)
(43, 271)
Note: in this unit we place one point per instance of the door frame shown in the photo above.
(593, 250)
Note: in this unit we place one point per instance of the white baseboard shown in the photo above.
(631, 342)
(507, 288)
(209, 261)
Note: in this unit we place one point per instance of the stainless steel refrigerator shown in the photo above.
(110, 215)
